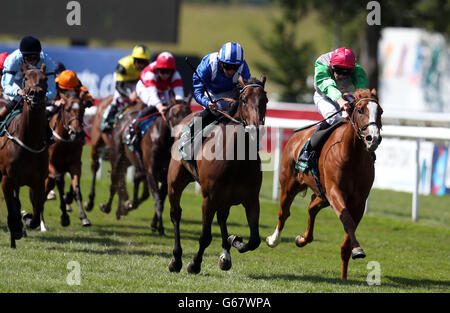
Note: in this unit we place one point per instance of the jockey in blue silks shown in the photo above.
(219, 71)
(29, 53)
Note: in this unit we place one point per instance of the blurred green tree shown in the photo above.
(291, 60)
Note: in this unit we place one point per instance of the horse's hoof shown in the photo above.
(85, 222)
(300, 241)
(358, 253)
(127, 206)
(272, 243)
(51, 195)
(193, 268)
(88, 206)
(65, 220)
(175, 266)
(68, 208)
(234, 240)
(105, 209)
(224, 263)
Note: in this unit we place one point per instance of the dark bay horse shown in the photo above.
(156, 147)
(231, 177)
(65, 153)
(100, 147)
(346, 168)
(24, 154)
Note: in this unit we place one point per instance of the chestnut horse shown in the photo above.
(225, 181)
(24, 153)
(65, 154)
(346, 167)
(156, 147)
(100, 146)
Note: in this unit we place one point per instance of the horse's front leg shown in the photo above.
(252, 210)
(208, 212)
(159, 194)
(95, 165)
(225, 257)
(65, 219)
(15, 224)
(78, 198)
(350, 223)
(37, 198)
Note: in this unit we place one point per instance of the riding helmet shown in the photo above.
(231, 53)
(343, 58)
(165, 60)
(30, 45)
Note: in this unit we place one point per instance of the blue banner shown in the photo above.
(94, 66)
(440, 182)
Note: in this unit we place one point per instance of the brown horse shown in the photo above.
(155, 147)
(24, 154)
(346, 167)
(100, 148)
(65, 154)
(225, 181)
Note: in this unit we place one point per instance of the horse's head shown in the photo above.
(72, 114)
(34, 85)
(366, 117)
(177, 111)
(252, 101)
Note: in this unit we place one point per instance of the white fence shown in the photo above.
(417, 133)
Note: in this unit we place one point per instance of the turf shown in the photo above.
(125, 256)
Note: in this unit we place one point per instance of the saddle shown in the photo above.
(141, 129)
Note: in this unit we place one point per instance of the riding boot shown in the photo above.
(307, 152)
(131, 133)
(109, 119)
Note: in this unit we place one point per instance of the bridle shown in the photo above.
(66, 126)
(242, 120)
(359, 129)
(32, 97)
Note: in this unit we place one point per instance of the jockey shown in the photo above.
(126, 76)
(29, 53)
(3, 57)
(336, 74)
(153, 89)
(219, 71)
(66, 82)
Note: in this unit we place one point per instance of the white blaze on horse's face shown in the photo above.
(372, 138)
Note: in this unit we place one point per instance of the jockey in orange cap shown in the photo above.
(68, 82)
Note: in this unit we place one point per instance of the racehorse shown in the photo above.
(225, 181)
(155, 146)
(65, 154)
(346, 167)
(100, 147)
(24, 153)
